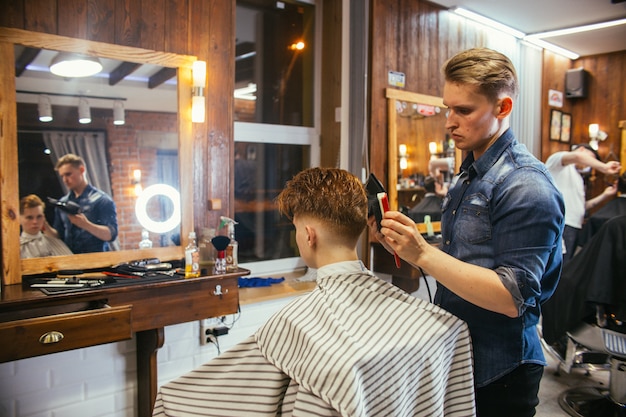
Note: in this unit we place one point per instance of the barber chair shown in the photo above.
(596, 346)
(589, 308)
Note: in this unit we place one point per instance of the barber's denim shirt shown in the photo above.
(99, 208)
(503, 212)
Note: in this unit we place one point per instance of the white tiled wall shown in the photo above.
(101, 380)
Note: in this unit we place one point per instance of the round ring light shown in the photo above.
(141, 208)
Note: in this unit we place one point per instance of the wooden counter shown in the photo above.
(38, 324)
(288, 288)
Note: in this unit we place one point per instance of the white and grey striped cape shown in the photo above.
(355, 346)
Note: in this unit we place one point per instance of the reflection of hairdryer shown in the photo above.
(69, 207)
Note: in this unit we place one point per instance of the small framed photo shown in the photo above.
(566, 127)
(555, 125)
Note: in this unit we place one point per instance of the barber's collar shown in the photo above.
(480, 166)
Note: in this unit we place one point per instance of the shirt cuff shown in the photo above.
(507, 277)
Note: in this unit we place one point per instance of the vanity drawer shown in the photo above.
(60, 332)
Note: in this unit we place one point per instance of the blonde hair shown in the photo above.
(74, 160)
(332, 195)
(31, 201)
(488, 70)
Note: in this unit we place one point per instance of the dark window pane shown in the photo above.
(261, 171)
(273, 77)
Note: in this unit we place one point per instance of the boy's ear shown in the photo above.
(311, 236)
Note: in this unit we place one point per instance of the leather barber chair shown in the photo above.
(588, 311)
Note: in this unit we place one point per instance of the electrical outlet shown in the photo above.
(211, 328)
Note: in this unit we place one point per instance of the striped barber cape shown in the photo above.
(354, 346)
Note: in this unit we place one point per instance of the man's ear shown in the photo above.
(505, 106)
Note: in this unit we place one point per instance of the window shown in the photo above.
(274, 123)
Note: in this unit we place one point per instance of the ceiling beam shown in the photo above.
(161, 76)
(26, 57)
(122, 70)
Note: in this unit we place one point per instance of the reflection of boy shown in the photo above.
(322, 353)
(37, 238)
(96, 224)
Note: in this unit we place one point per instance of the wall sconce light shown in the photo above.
(432, 148)
(402, 154)
(45, 108)
(198, 112)
(84, 112)
(596, 135)
(66, 64)
(136, 181)
(119, 117)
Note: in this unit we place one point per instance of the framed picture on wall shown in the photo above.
(555, 125)
(566, 127)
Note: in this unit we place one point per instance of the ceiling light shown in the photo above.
(66, 64)
(119, 118)
(84, 112)
(488, 22)
(577, 29)
(551, 47)
(45, 108)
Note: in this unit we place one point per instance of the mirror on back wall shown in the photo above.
(129, 138)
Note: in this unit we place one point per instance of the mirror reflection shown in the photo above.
(133, 128)
(418, 147)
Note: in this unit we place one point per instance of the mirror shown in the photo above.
(414, 121)
(12, 40)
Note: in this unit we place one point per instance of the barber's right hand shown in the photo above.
(402, 237)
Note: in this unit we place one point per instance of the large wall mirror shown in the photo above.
(153, 90)
(417, 144)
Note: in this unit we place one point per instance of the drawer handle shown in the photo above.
(51, 337)
(218, 290)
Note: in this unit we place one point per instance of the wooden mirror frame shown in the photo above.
(12, 266)
(393, 96)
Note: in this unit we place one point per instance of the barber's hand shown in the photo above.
(79, 220)
(402, 237)
(612, 168)
(610, 191)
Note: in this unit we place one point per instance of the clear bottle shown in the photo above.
(207, 250)
(192, 257)
(145, 243)
(232, 251)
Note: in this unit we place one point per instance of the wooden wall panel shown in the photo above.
(73, 21)
(101, 20)
(604, 104)
(177, 26)
(153, 24)
(127, 23)
(414, 38)
(12, 14)
(40, 16)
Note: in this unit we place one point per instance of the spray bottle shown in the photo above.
(232, 249)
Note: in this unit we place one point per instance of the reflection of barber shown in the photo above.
(96, 224)
(567, 169)
(37, 238)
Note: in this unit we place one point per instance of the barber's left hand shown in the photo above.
(401, 235)
(79, 220)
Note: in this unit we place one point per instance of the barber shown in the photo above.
(502, 221)
(95, 225)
